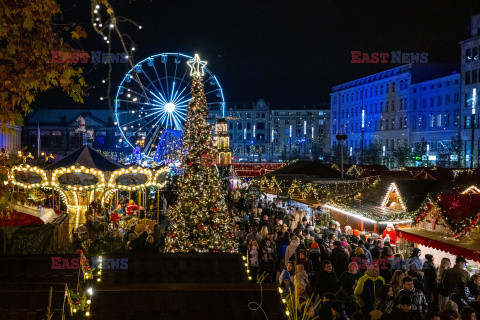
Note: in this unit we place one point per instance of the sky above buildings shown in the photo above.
(289, 53)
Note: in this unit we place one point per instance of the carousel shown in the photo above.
(82, 183)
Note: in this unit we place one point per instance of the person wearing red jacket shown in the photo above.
(391, 233)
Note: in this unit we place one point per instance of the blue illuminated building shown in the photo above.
(470, 62)
(406, 106)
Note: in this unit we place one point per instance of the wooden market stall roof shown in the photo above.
(438, 240)
(87, 157)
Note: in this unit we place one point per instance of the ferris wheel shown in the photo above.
(153, 97)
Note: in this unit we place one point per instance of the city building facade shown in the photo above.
(59, 134)
(384, 109)
(259, 133)
(470, 65)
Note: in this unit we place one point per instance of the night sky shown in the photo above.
(289, 53)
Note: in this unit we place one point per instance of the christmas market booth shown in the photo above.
(390, 198)
(446, 225)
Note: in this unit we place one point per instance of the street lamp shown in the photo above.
(472, 123)
(341, 138)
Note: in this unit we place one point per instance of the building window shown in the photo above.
(424, 103)
(431, 102)
(468, 124)
(474, 76)
(447, 99)
(56, 139)
(468, 55)
(439, 101)
(239, 126)
(467, 77)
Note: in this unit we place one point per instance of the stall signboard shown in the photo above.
(283, 197)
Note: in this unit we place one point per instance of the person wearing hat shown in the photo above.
(455, 275)
(391, 233)
(405, 310)
(339, 258)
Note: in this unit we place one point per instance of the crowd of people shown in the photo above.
(333, 274)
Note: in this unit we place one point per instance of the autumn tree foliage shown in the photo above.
(28, 36)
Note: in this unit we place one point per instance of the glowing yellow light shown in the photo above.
(197, 66)
(280, 290)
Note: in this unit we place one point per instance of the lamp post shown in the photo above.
(341, 138)
(474, 102)
(363, 130)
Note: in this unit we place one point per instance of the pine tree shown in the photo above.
(200, 220)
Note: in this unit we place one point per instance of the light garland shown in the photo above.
(27, 168)
(393, 188)
(130, 170)
(107, 195)
(78, 169)
(471, 189)
(157, 174)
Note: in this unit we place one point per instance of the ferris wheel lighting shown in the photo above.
(97, 6)
(170, 107)
(133, 48)
(162, 95)
(100, 25)
(104, 38)
(111, 25)
(140, 27)
(95, 11)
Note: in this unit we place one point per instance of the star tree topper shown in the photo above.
(197, 66)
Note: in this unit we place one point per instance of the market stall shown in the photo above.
(447, 224)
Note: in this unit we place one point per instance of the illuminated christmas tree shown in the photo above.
(200, 220)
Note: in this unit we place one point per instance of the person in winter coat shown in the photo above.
(386, 258)
(367, 253)
(419, 301)
(385, 301)
(290, 252)
(405, 310)
(430, 277)
(253, 235)
(352, 273)
(268, 261)
(338, 311)
(415, 262)
(461, 295)
(290, 269)
(377, 250)
(339, 258)
(345, 294)
(450, 311)
(455, 275)
(474, 285)
(368, 287)
(315, 257)
(325, 280)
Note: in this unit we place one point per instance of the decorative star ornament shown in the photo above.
(196, 66)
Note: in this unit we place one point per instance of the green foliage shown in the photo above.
(28, 40)
(373, 154)
(401, 155)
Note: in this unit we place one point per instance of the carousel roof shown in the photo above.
(87, 157)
